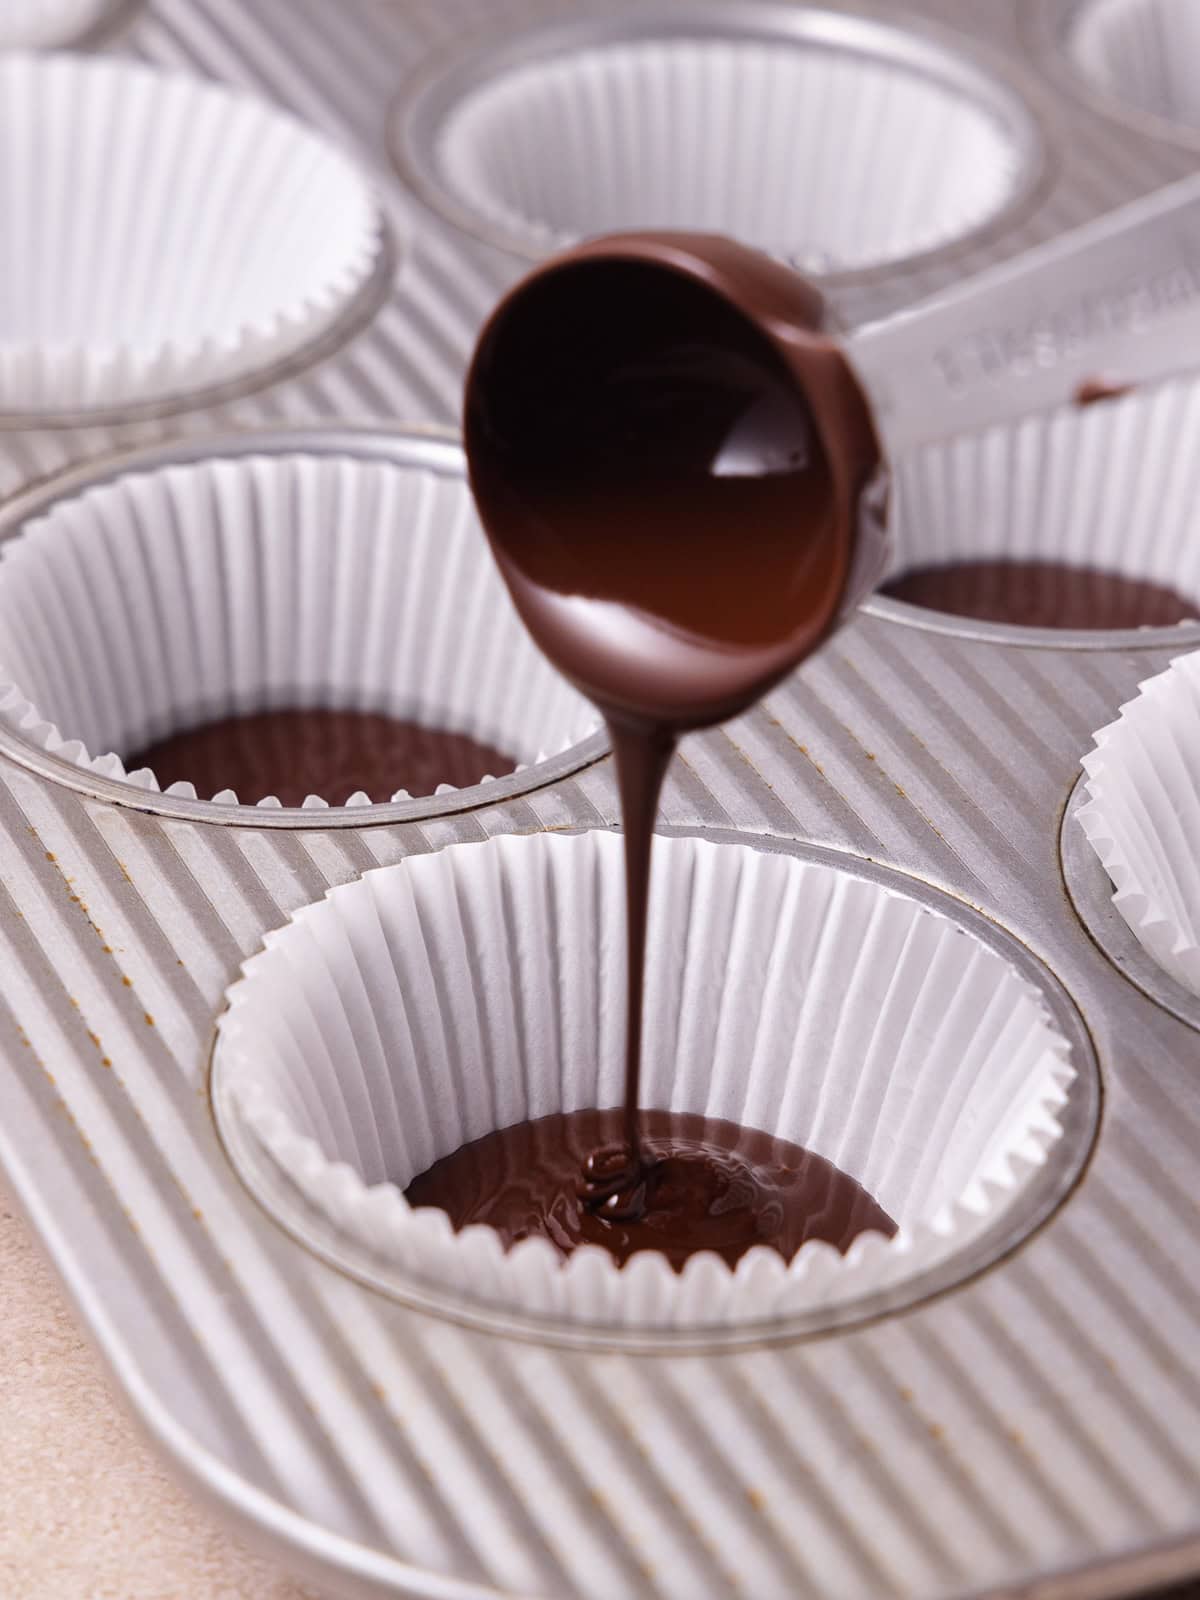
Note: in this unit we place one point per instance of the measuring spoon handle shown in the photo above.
(1116, 301)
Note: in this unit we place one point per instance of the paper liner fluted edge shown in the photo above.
(97, 521)
(533, 1276)
(1152, 923)
(24, 719)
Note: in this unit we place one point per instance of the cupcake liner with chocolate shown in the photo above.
(1092, 511)
(1141, 54)
(836, 143)
(215, 237)
(1143, 816)
(161, 600)
(782, 995)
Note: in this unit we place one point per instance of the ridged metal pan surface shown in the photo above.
(1034, 1429)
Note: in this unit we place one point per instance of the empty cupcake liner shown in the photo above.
(1141, 54)
(173, 234)
(454, 994)
(832, 142)
(1142, 816)
(167, 598)
(38, 24)
(1103, 485)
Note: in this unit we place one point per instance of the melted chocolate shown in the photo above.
(1041, 594)
(669, 472)
(292, 754)
(709, 1185)
(667, 456)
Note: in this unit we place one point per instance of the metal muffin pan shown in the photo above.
(1035, 1429)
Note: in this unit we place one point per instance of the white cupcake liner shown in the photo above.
(1143, 53)
(432, 1002)
(835, 144)
(1102, 485)
(1143, 816)
(174, 234)
(167, 598)
(38, 24)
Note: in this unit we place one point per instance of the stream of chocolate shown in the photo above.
(292, 754)
(671, 493)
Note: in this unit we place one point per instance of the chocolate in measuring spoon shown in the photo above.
(670, 461)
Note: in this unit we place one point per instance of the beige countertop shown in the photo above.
(86, 1510)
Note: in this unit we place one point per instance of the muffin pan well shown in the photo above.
(1029, 1419)
(834, 142)
(873, 1021)
(1141, 57)
(1142, 818)
(176, 236)
(1092, 891)
(1101, 487)
(321, 571)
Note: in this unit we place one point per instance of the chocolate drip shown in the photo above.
(292, 754)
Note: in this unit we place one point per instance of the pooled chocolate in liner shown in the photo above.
(333, 754)
(710, 1185)
(668, 456)
(1041, 594)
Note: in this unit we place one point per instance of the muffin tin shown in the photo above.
(1026, 1421)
